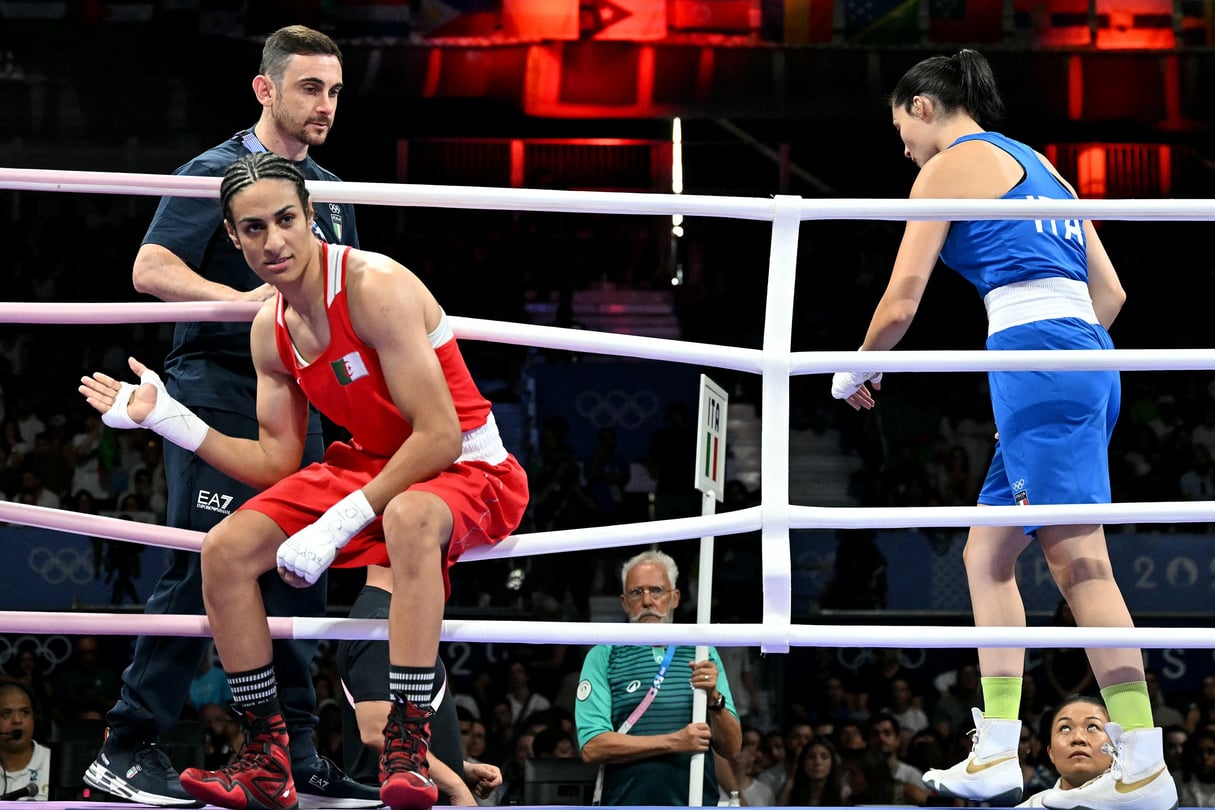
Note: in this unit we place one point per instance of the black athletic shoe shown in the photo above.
(319, 783)
(142, 774)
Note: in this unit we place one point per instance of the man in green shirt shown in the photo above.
(647, 758)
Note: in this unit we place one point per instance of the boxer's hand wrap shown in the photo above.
(846, 383)
(169, 418)
(311, 550)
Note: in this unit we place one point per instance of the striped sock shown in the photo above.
(1129, 704)
(415, 684)
(255, 689)
(1001, 698)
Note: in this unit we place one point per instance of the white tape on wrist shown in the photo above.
(846, 383)
(347, 517)
(169, 418)
(307, 553)
(116, 416)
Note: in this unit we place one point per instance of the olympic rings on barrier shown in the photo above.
(853, 658)
(63, 565)
(617, 408)
(52, 650)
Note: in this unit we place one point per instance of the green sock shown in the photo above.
(1129, 705)
(1001, 698)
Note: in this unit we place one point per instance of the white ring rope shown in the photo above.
(721, 635)
(518, 545)
(523, 334)
(619, 202)
(658, 531)
(777, 363)
(141, 312)
(652, 348)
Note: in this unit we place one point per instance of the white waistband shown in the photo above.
(483, 443)
(1039, 299)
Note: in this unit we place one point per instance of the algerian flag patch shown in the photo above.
(349, 368)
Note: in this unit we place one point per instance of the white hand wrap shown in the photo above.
(846, 383)
(311, 550)
(169, 418)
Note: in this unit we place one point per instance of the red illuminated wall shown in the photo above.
(1135, 24)
(1115, 25)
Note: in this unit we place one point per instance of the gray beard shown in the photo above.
(665, 619)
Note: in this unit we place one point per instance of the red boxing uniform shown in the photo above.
(486, 489)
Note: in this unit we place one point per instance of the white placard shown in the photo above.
(711, 439)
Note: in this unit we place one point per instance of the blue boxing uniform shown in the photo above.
(1054, 426)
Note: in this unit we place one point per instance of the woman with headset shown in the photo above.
(27, 763)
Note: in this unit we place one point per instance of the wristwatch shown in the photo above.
(718, 704)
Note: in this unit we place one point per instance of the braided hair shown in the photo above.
(248, 169)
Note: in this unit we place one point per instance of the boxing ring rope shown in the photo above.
(735, 522)
(776, 363)
(619, 202)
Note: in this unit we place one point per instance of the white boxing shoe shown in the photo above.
(1136, 780)
(992, 772)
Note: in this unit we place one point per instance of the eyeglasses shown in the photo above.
(656, 592)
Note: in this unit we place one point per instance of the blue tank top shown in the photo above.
(990, 253)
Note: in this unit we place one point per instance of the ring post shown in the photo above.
(710, 475)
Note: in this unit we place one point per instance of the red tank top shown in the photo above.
(346, 382)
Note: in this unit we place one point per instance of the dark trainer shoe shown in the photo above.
(260, 776)
(322, 784)
(404, 769)
(142, 774)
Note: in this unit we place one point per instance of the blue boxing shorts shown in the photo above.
(1054, 426)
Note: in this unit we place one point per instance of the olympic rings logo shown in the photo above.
(63, 565)
(617, 408)
(853, 658)
(53, 650)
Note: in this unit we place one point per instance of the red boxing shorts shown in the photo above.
(487, 502)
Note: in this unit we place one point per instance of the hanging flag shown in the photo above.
(373, 18)
(127, 11)
(807, 21)
(32, 10)
(1056, 23)
(883, 22)
(457, 18)
(540, 19)
(1135, 25)
(629, 20)
(717, 16)
(965, 21)
(1197, 23)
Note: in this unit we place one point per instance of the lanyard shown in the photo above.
(659, 677)
(249, 139)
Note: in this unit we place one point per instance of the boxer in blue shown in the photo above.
(1046, 284)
